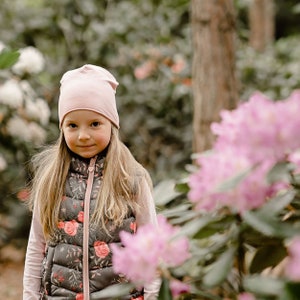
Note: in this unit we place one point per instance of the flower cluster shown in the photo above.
(23, 114)
(31, 61)
(250, 141)
(151, 248)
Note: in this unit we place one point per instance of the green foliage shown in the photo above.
(165, 293)
(274, 72)
(8, 58)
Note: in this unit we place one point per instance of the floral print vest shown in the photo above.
(62, 270)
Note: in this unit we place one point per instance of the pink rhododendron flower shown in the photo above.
(179, 64)
(246, 296)
(294, 158)
(206, 184)
(145, 70)
(178, 287)
(150, 247)
(253, 138)
(292, 269)
(261, 129)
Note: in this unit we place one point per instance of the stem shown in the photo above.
(240, 256)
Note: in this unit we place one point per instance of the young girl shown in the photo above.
(86, 189)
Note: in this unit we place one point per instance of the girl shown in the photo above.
(86, 189)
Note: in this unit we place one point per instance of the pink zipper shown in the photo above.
(86, 217)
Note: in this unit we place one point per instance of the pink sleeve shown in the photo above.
(33, 261)
(145, 215)
(147, 211)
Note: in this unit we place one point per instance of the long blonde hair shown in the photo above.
(118, 194)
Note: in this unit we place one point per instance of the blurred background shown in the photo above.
(148, 46)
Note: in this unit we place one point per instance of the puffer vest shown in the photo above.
(78, 247)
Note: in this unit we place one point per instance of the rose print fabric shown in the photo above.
(62, 265)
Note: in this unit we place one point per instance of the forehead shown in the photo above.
(83, 114)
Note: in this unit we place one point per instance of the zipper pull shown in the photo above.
(91, 167)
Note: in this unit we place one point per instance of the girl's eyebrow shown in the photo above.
(70, 121)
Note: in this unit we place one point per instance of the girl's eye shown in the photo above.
(95, 124)
(72, 125)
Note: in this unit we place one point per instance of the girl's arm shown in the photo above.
(146, 215)
(33, 261)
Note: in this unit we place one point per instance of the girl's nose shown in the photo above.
(83, 135)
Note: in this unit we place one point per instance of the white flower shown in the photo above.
(24, 131)
(27, 89)
(2, 46)
(17, 127)
(38, 110)
(30, 61)
(3, 163)
(38, 134)
(11, 94)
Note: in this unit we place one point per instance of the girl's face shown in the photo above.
(86, 133)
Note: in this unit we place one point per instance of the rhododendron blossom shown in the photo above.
(250, 141)
(30, 61)
(145, 70)
(38, 110)
(246, 296)
(3, 163)
(11, 94)
(178, 287)
(150, 248)
(206, 184)
(292, 269)
(294, 158)
(261, 129)
(2, 46)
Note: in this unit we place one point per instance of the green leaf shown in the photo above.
(182, 186)
(215, 225)
(176, 211)
(280, 171)
(187, 216)
(113, 291)
(192, 227)
(165, 192)
(275, 205)
(219, 270)
(232, 182)
(263, 285)
(165, 292)
(291, 291)
(8, 58)
(269, 227)
(267, 256)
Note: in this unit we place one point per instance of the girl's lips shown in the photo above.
(85, 146)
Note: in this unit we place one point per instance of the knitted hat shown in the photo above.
(88, 87)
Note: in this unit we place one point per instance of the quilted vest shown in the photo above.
(63, 265)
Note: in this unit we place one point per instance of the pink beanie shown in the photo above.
(89, 87)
